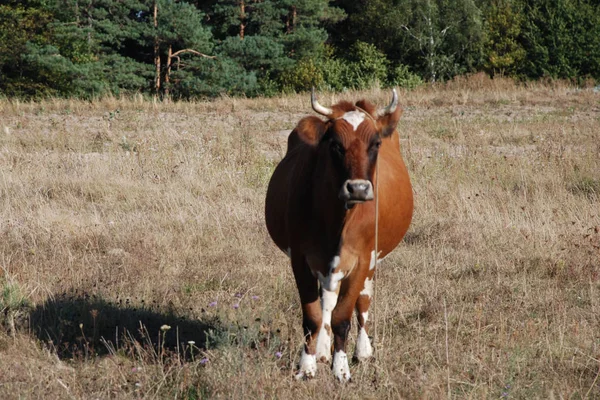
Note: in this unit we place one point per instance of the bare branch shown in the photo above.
(193, 52)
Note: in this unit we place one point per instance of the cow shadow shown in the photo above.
(83, 325)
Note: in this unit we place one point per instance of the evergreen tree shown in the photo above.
(561, 39)
(179, 35)
(21, 22)
(503, 51)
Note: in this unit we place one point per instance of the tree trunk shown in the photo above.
(294, 15)
(242, 18)
(156, 51)
(169, 61)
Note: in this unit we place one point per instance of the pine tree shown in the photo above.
(179, 32)
(561, 39)
(21, 22)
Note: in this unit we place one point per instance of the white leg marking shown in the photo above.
(328, 302)
(307, 366)
(363, 350)
(289, 252)
(365, 316)
(354, 118)
(340, 366)
(373, 263)
(368, 289)
(331, 280)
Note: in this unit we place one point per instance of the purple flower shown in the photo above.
(504, 394)
(236, 306)
(278, 354)
(212, 304)
(238, 295)
(204, 361)
(255, 297)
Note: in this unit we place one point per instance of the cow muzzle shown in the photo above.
(356, 191)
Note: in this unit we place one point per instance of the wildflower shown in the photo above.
(134, 369)
(278, 354)
(191, 342)
(238, 295)
(212, 304)
(204, 361)
(165, 328)
(236, 306)
(254, 297)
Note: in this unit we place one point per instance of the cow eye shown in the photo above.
(337, 148)
(375, 145)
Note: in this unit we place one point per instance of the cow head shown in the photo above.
(349, 141)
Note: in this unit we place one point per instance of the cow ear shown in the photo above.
(310, 130)
(388, 122)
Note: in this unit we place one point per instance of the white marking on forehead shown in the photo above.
(368, 290)
(354, 118)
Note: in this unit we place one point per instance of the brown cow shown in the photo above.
(319, 211)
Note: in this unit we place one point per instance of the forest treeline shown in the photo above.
(193, 48)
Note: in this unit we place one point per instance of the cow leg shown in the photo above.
(341, 321)
(308, 289)
(328, 302)
(364, 350)
(330, 289)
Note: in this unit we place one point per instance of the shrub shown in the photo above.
(402, 77)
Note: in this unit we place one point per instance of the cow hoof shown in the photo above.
(307, 367)
(364, 350)
(340, 367)
(304, 375)
(362, 360)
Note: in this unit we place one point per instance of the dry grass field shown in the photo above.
(135, 262)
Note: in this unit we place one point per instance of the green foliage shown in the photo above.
(181, 25)
(12, 298)
(502, 49)
(365, 67)
(255, 52)
(89, 48)
(369, 65)
(402, 77)
(20, 24)
(214, 77)
(561, 39)
(302, 77)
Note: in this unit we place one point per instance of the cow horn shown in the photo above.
(317, 107)
(390, 108)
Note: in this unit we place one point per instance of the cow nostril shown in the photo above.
(350, 187)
